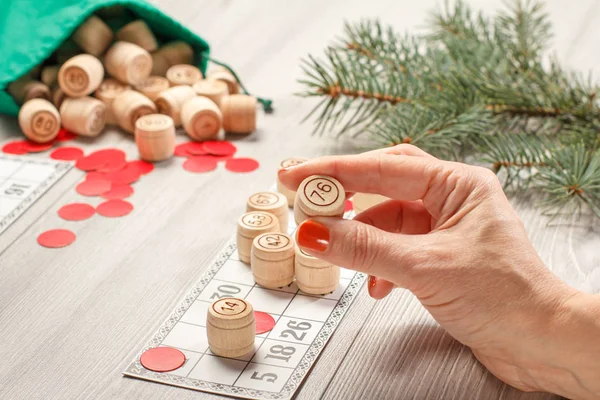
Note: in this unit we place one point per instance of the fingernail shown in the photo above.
(313, 235)
(371, 285)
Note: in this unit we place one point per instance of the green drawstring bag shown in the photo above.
(31, 31)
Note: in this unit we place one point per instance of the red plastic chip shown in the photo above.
(34, 147)
(100, 159)
(16, 148)
(162, 359)
(348, 206)
(95, 175)
(64, 135)
(56, 238)
(113, 165)
(94, 187)
(67, 153)
(76, 211)
(196, 148)
(118, 192)
(241, 164)
(219, 148)
(264, 322)
(125, 176)
(114, 208)
(144, 167)
(200, 164)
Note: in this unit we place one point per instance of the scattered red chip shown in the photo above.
(241, 164)
(34, 147)
(264, 322)
(348, 206)
(181, 150)
(64, 135)
(125, 176)
(219, 148)
(56, 238)
(90, 164)
(200, 164)
(162, 359)
(94, 187)
(113, 165)
(118, 192)
(101, 159)
(196, 148)
(67, 153)
(95, 175)
(114, 208)
(144, 167)
(16, 148)
(76, 212)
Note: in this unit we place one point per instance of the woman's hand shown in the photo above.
(450, 236)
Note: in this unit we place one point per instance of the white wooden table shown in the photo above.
(71, 320)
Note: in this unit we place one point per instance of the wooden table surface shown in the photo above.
(71, 320)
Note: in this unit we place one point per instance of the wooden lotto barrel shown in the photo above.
(170, 54)
(230, 327)
(58, 96)
(138, 32)
(273, 203)
(239, 113)
(49, 75)
(39, 120)
(251, 225)
(319, 196)
(289, 194)
(201, 118)
(80, 75)
(84, 116)
(107, 92)
(183, 74)
(213, 89)
(313, 275)
(128, 62)
(152, 86)
(155, 137)
(272, 260)
(93, 36)
(25, 89)
(170, 101)
(222, 74)
(129, 106)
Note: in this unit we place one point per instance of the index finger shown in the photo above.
(397, 175)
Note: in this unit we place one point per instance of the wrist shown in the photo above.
(573, 365)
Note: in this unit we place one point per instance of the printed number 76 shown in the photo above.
(269, 377)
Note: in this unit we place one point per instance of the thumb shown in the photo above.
(361, 247)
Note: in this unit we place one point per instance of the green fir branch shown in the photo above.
(473, 86)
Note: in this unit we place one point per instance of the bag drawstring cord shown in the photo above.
(266, 103)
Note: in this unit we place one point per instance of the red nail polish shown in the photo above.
(313, 235)
(371, 285)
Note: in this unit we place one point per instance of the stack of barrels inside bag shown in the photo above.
(105, 76)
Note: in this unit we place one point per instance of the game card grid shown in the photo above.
(24, 180)
(282, 357)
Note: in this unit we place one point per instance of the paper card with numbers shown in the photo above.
(22, 181)
(281, 358)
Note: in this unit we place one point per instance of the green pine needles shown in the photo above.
(472, 88)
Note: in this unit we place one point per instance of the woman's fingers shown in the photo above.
(362, 247)
(442, 186)
(379, 288)
(397, 216)
(394, 216)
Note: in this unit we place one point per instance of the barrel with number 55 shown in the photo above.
(230, 327)
(250, 225)
(272, 260)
